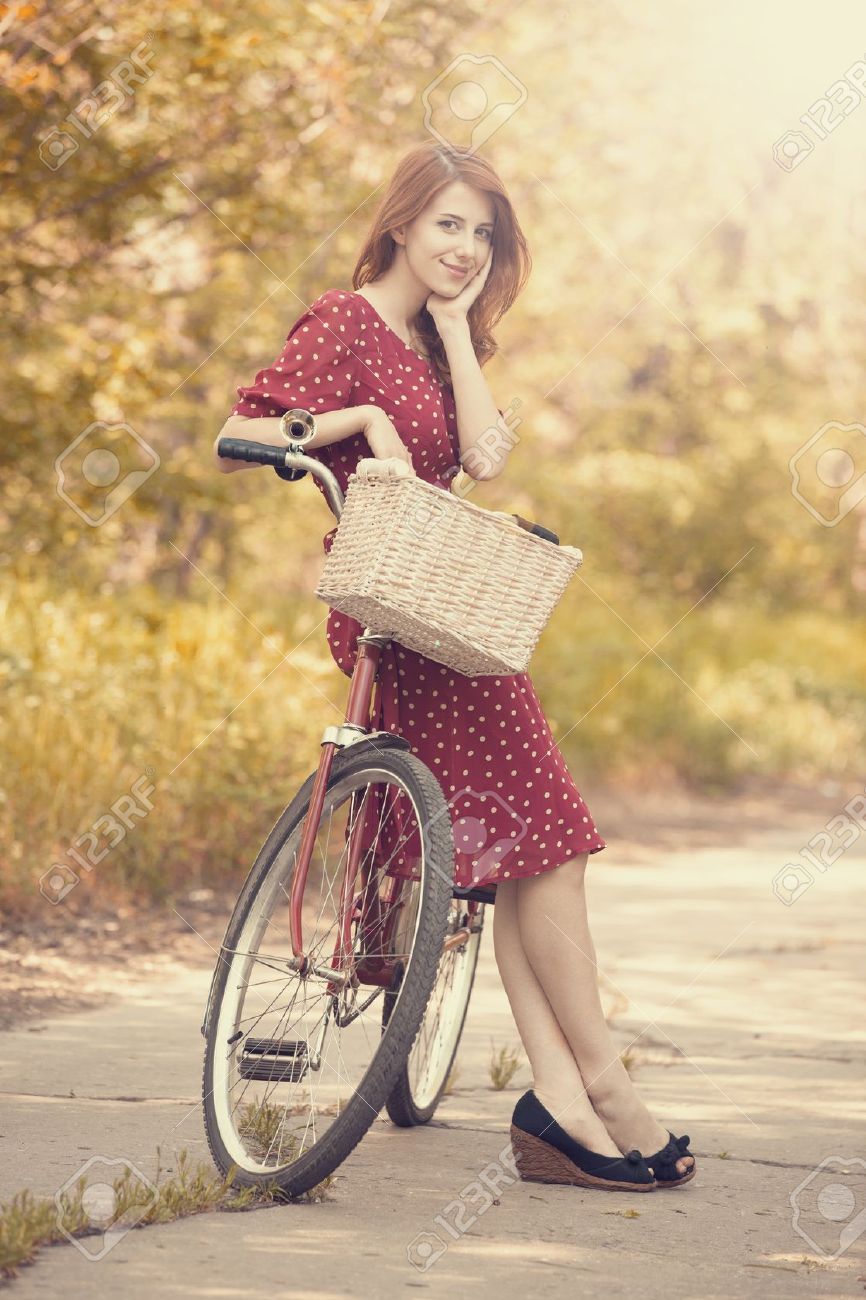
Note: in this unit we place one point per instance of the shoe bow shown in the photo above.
(676, 1148)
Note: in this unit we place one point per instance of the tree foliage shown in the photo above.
(692, 321)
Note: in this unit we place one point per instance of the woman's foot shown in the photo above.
(580, 1121)
(630, 1124)
(545, 1153)
(665, 1162)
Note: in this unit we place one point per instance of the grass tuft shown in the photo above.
(629, 1059)
(504, 1064)
(28, 1222)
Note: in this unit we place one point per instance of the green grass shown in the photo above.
(504, 1064)
(28, 1222)
(100, 691)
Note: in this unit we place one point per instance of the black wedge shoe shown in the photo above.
(545, 1153)
(664, 1162)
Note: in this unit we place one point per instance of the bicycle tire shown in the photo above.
(403, 1105)
(349, 1127)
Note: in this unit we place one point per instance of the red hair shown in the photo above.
(419, 175)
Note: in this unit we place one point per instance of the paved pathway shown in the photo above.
(748, 1020)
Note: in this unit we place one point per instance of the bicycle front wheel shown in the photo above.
(299, 1064)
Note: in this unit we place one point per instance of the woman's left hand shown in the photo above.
(445, 310)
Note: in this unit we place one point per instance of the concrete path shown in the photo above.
(746, 1017)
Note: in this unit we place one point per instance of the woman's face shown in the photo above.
(454, 230)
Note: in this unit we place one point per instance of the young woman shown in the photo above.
(392, 368)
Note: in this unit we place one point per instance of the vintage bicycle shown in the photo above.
(345, 974)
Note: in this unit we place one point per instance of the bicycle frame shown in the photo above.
(355, 727)
(373, 968)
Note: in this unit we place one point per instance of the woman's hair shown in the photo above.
(419, 175)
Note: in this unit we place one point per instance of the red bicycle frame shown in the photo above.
(375, 969)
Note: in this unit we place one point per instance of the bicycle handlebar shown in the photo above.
(260, 452)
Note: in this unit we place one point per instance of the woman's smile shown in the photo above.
(457, 271)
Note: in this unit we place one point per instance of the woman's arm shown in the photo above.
(479, 431)
(477, 413)
(314, 371)
(331, 426)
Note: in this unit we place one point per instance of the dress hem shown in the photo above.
(488, 882)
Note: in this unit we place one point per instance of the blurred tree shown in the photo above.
(179, 183)
(176, 181)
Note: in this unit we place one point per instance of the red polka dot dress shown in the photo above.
(515, 809)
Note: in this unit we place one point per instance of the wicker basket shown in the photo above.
(465, 586)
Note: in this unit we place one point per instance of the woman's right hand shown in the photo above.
(383, 439)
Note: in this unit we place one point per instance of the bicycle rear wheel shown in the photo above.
(298, 1065)
(421, 1082)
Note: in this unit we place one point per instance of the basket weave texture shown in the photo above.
(465, 586)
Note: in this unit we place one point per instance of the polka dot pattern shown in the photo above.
(514, 807)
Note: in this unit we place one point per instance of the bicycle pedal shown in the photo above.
(277, 1060)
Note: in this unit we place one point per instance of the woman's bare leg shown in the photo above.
(554, 932)
(556, 1078)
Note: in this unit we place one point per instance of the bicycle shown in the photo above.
(347, 966)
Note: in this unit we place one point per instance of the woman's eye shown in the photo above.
(484, 231)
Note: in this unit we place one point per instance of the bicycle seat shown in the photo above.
(477, 893)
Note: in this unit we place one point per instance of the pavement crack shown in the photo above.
(77, 1096)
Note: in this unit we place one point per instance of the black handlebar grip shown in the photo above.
(540, 531)
(259, 452)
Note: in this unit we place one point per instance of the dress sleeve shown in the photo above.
(317, 367)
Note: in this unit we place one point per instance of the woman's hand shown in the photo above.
(383, 439)
(446, 310)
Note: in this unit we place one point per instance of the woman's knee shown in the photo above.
(575, 869)
(569, 873)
